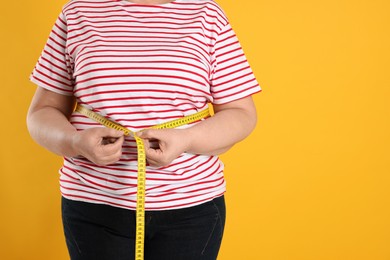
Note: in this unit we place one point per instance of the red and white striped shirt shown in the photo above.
(142, 65)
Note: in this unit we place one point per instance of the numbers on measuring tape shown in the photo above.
(141, 178)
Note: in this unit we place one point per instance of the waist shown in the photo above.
(166, 188)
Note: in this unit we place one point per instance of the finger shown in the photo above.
(153, 163)
(109, 159)
(114, 157)
(146, 143)
(156, 158)
(108, 140)
(150, 134)
(119, 141)
(154, 154)
(109, 149)
(151, 144)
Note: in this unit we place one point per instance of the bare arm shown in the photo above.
(231, 123)
(48, 124)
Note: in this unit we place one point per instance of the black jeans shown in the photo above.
(101, 232)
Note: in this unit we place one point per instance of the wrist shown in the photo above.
(187, 139)
(73, 141)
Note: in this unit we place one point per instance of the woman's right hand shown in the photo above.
(100, 145)
(48, 124)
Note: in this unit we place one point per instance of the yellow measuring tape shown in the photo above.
(141, 178)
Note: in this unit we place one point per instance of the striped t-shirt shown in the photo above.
(142, 65)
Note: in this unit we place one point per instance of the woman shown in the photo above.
(142, 63)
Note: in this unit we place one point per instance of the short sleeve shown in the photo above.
(54, 68)
(232, 78)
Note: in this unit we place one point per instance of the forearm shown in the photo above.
(50, 128)
(220, 132)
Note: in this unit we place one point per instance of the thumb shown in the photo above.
(149, 134)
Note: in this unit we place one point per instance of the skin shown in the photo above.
(48, 124)
(231, 123)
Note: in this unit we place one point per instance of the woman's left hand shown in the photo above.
(230, 123)
(162, 146)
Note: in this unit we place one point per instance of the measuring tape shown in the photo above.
(141, 178)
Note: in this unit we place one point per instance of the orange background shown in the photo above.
(312, 181)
